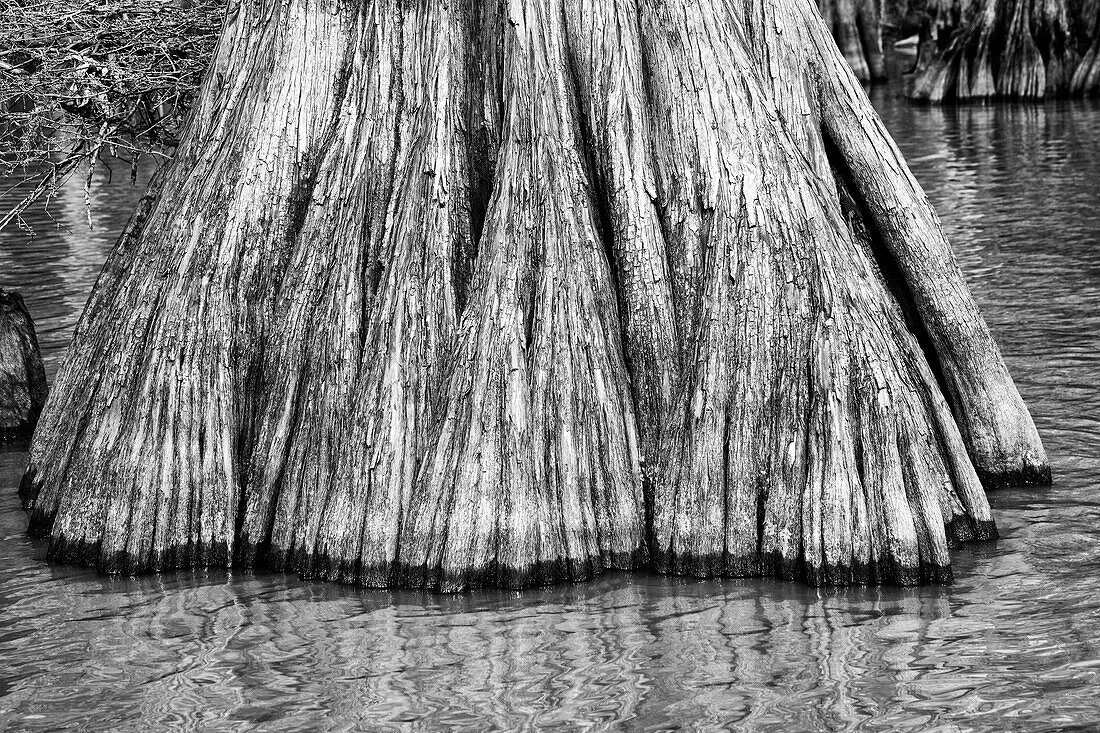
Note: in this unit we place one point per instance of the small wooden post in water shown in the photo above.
(22, 376)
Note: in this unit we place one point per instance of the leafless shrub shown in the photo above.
(82, 81)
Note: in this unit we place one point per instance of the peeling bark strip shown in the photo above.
(505, 292)
(22, 375)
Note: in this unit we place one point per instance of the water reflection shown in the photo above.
(1010, 646)
(55, 256)
(241, 652)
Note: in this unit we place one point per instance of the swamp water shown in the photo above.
(1014, 644)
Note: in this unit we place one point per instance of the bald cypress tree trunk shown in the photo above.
(504, 293)
(1010, 49)
(1086, 77)
(856, 26)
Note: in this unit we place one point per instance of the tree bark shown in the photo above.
(22, 375)
(1086, 77)
(1002, 49)
(505, 293)
(856, 26)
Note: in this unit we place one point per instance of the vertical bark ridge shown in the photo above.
(998, 430)
(329, 305)
(800, 444)
(413, 323)
(708, 481)
(534, 475)
(151, 479)
(606, 51)
(776, 49)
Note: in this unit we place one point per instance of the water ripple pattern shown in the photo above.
(1012, 645)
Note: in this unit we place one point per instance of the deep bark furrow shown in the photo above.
(534, 475)
(603, 40)
(164, 360)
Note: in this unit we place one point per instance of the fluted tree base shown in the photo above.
(503, 293)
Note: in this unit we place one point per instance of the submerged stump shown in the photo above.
(22, 376)
(504, 293)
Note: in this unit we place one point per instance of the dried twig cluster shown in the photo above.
(82, 81)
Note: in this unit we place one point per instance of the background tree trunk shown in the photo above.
(501, 293)
(857, 27)
(1086, 78)
(1014, 49)
(22, 375)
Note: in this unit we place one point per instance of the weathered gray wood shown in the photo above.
(22, 376)
(534, 474)
(504, 293)
(797, 450)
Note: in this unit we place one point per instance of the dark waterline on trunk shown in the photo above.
(1011, 645)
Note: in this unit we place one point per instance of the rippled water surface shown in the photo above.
(1014, 644)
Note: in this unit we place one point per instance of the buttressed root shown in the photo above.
(505, 293)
